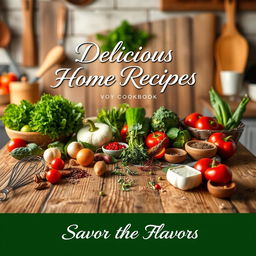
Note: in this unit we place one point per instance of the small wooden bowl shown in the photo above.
(175, 155)
(221, 191)
(31, 137)
(198, 153)
(4, 99)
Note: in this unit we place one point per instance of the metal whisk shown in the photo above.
(22, 174)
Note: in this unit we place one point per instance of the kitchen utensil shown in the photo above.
(5, 38)
(61, 23)
(22, 174)
(28, 38)
(231, 82)
(55, 56)
(231, 49)
(221, 191)
(203, 60)
(198, 153)
(32, 137)
(175, 155)
(183, 63)
(23, 90)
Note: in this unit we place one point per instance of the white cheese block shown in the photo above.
(184, 177)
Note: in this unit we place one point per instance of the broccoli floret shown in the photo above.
(163, 119)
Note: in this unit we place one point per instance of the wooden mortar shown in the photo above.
(23, 90)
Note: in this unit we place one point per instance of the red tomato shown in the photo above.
(191, 119)
(219, 174)
(53, 176)
(58, 164)
(207, 123)
(157, 187)
(124, 132)
(7, 78)
(4, 90)
(16, 143)
(156, 137)
(205, 163)
(160, 154)
(225, 144)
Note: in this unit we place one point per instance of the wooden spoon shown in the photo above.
(55, 56)
(5, 38)
(231, 50)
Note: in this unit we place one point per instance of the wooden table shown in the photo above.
(83, 197)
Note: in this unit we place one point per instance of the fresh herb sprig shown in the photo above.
(126, 184)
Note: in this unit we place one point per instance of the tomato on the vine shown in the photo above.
(7, 78)
(191, 119)
(16, 143)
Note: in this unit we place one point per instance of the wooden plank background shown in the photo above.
(181, 34)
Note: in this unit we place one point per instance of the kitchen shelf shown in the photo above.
(203, 5)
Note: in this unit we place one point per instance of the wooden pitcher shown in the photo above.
(23, 90)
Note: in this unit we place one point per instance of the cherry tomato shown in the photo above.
(157, 187)
(53, 176)
(156, 137)
(207, 123)
(191, 119)
(16, 143)
(225, 144)
(124, 132)
(160, 154)
(205, 163)
(219, 174)
(58, 164)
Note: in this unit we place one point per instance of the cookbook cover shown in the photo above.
(128, 123)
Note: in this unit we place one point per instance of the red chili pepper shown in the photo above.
(114, 146)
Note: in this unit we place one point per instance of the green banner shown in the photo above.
(123, 234)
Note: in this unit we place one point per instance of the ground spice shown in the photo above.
(76, 174)
(200, 145)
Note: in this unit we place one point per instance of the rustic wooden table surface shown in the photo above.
(83, 197)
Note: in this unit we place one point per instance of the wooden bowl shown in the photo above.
(4, 99)
(32, 137)
(175, 155)
(198, 153)
(205, 134)
(221, 191)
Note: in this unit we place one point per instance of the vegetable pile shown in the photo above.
(132, 37)
(223, 113)
(54, 116)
